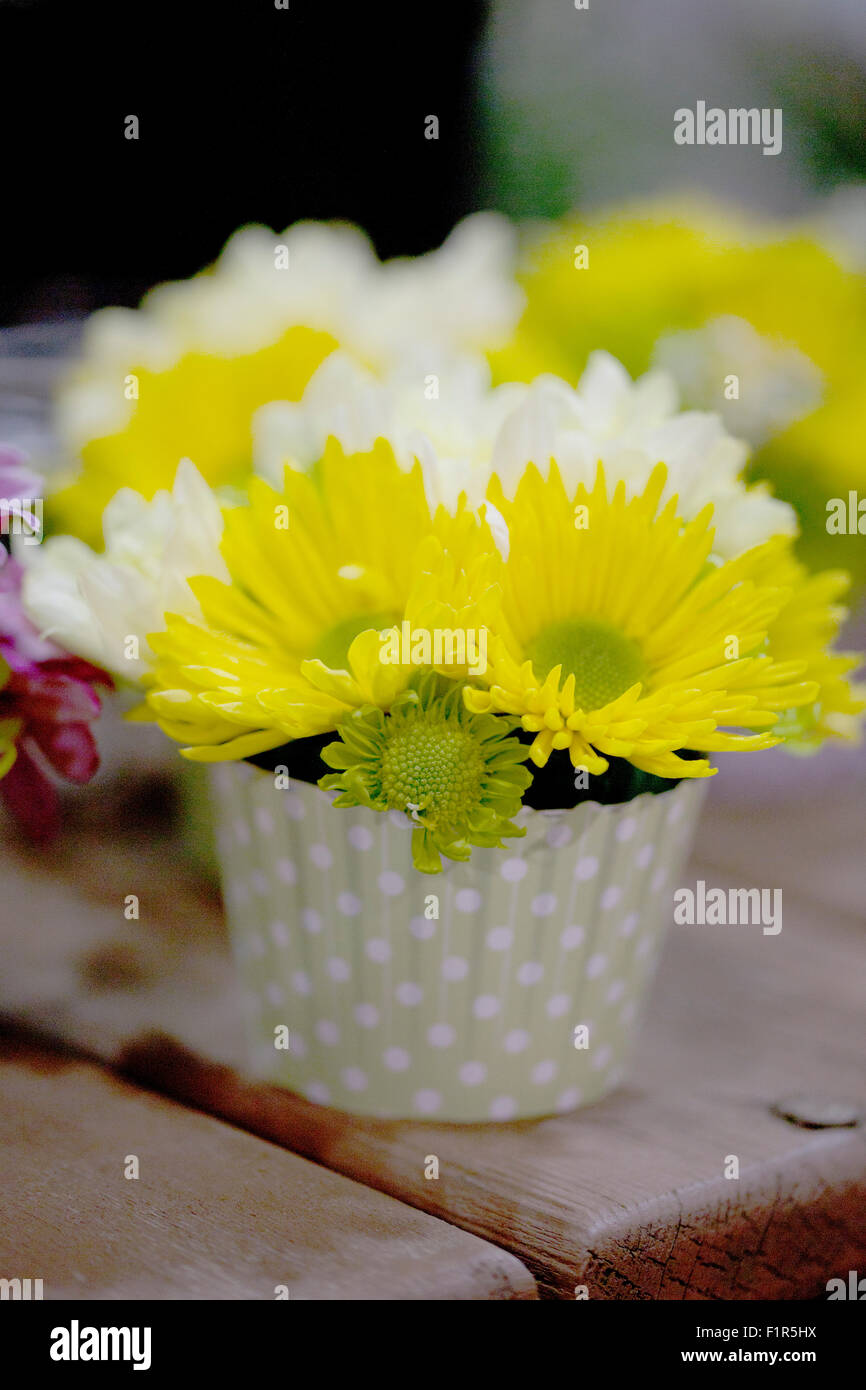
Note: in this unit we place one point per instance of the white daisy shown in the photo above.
(92, 604)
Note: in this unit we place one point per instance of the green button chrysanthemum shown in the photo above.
(458, 775)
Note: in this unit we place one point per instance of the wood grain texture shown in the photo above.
(627, 1197)
(215, 1213)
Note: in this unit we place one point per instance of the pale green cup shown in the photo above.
(505, 988)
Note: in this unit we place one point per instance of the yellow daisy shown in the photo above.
(201, 408)
(320, 575)
(617, 637)
(705, 260)
(803, 630)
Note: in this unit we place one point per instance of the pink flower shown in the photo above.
(47, 697)
(20, 489)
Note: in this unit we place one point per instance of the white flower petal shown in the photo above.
(92, 603)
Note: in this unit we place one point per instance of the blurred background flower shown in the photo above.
(755, 319)
(184, 375)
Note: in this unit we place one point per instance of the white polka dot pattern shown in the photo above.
(454, 996)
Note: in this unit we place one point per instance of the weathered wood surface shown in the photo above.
(214, 1213)
(629, 1197)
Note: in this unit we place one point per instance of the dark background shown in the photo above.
(247, 114)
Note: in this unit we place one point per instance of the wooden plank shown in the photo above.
(214, 1213)
(627, 1198)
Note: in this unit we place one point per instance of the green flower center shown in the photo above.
(603, 661)
(333, 649)
(436, 767)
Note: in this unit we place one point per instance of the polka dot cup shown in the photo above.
(505, 988)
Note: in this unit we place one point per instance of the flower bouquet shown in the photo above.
(464, 656)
